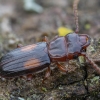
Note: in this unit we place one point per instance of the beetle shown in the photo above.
(37, 57)
(26, 60)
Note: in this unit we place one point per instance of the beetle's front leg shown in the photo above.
(45, 39)
(61, 67)
(47, 74)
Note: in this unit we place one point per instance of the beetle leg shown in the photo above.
(45, 39)
(19, 45)
(47, 74)
(29, 77)
(61, 67)
(23, 77)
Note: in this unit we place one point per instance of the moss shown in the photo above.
(44, 89)
(95, 80)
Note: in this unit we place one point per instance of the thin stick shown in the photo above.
(76, 15)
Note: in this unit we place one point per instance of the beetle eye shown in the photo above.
(75, 56)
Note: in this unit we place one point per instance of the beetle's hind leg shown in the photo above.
(61, 67)
(47, 74)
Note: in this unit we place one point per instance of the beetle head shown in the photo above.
(84, 41)
(76, 44)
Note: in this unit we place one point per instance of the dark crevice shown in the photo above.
(64, 84)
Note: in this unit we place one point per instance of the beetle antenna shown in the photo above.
(95, 66)
(76, 15)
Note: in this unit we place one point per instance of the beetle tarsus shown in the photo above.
(47, 74)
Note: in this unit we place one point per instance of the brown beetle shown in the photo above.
(36, 57)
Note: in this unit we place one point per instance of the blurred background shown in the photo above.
(27, 21)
